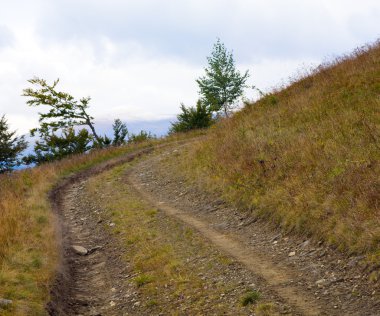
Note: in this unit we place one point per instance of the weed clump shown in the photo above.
(143, 279)
(250, 297)
(265, 309)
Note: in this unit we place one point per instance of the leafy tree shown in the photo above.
(53, 146)
(64, 111)
(120, 131)
(223, 84)
(192, 118)
(10, 147)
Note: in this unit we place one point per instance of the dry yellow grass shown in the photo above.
(306, 157)
(28, 245)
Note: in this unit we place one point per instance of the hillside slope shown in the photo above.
(306, 157)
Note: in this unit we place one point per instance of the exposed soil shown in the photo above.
(299, 276)
(312, 278)
(86, 284)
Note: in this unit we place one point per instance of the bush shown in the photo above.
(192, 118)
(142, 136)
(52, 146)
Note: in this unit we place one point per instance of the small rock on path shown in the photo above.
(79, 250)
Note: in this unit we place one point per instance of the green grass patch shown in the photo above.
(250, 297)
(143, 279)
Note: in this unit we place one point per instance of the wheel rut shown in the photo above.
(87, 283)
(277, 279)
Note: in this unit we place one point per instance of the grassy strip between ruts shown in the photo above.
(28, 246)
(176, 271)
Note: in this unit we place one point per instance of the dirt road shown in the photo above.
(123, 211)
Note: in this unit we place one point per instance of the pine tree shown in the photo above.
(120, 131)
(10, 147)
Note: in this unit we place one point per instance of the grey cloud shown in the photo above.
(159, 28)
(292, 29)
(6, 36)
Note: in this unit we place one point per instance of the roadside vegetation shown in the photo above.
(305, 157)
(29, 248)
(220, 88)
(192, 118)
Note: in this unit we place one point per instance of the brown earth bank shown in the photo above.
(220, 253)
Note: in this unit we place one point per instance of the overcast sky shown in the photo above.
(139, 59)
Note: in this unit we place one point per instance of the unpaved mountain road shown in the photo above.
(312, 281)
(277, 279)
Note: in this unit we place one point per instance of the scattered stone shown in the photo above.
(79, 250)
(93, 249)
(112, 224)
(137, 304)
(292, 254)
(321, 283)
(4, 302)
(112, 303)
(94, 313)
(276, 237)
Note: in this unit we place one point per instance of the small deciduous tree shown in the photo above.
(120, 132)
(192, 118)
(222, 84)
(10, 147)
(64, 111)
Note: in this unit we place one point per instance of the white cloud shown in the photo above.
(139, 59)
